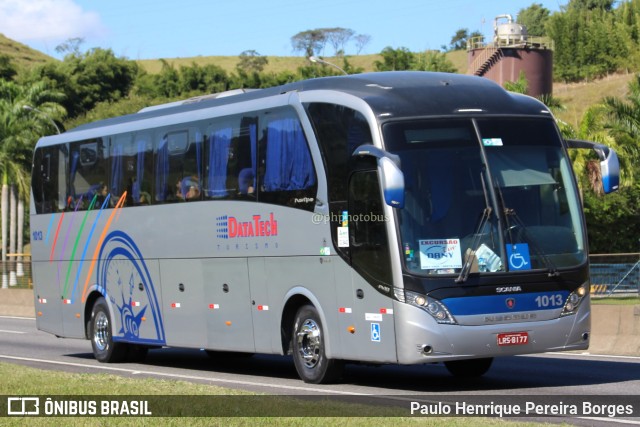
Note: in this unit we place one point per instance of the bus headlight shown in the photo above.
(574, 300)
(432, 306)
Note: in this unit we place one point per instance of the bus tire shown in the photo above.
(309, 346)
(101, 335)
(469, 368)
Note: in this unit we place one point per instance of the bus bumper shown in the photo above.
(420, 339)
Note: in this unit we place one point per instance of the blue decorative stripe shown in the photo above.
(507, 303)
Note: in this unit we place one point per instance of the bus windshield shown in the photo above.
(490, 195)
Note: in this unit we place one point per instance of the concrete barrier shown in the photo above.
(17, 302)
(615, 329)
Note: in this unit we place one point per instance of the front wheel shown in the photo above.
(469, 368)
(309, 356)
(100, 333)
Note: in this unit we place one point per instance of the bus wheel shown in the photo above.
(469, 368)
(104, 349)
(309, 356)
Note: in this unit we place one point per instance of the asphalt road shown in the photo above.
(559, 376)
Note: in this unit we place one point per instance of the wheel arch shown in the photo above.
(294, 299)
(88, 309)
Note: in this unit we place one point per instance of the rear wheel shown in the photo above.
(309, 356)
(101, 335)
(469, 368)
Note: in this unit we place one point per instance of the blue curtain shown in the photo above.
(289, 165)
(198, 136)
(135, 190)
(253, 136)
(75, 156)
(219, 143)
(440, 167)
(116, 169)
(162, 171)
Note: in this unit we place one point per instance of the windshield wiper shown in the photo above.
(509, 213)
(486, 214)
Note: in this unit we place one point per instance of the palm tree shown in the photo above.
(19, 131)
(624, 119)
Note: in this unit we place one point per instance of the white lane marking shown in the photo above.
(611, 420)
(16, 317)
(180, 376)
(11, 332)
(612, 356)
(251, 383)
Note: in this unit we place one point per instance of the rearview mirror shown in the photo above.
(609, 163)
(391, 177)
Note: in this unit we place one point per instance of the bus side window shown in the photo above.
(230, 158)
(287, 173)
(178, 165)
(88, 172)
(131, 169)
(49, 179)
(367, 231)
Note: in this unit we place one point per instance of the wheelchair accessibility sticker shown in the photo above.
(375, 332)
(518, 255)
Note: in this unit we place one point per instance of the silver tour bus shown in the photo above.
(403, 217)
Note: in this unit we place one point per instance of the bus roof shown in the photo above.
(391, 94)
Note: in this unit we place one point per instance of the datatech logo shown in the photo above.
(230, 227)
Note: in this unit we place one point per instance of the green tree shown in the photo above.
(586, 45)
(534, 19)
(251, 61)
(433, 60)
(459, 39)
(88, 78)
(590, 4)
(311, 42)
(20, 128)
(338, 37)
(361, 40)
(395, 59)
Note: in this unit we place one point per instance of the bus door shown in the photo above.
(371, 269)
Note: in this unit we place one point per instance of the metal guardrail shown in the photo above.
(15, 272)
(615, 274)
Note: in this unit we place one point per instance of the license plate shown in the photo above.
(513, 338)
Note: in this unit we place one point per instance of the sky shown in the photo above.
(152, 29)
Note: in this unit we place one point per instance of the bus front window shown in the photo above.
(501, 202)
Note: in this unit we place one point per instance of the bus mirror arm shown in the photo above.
(609, 162)
(391, 176)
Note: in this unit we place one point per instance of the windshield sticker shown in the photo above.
(345, 218)
(492, 142)
(518, 255)
(343, 237)
(440, 254)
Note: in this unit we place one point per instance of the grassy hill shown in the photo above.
(21, 55)
(278, 64)
(576, 97)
